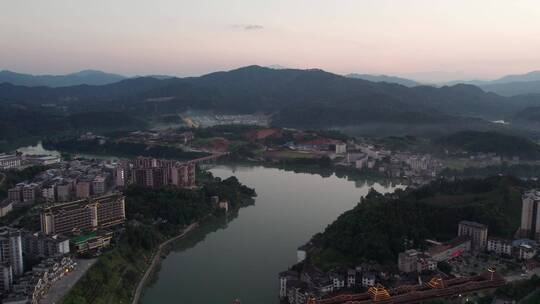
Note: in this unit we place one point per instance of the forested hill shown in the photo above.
(301, 98)
(16, 123)
(380, 227)
(486, 142)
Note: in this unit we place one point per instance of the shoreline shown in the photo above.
(156, 259)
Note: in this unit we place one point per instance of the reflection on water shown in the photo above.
(241, 257)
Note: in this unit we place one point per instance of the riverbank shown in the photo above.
(154, 219)
(156, 259)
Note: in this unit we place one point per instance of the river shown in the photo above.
(240, 257)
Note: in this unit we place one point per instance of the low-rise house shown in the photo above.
(224, 205)
(368, 279)
(286, 277)
(94, 241)
(525, 252)
(351, 278)
(338, 280)
(499, 246)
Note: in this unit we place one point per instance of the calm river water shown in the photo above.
(240, 257)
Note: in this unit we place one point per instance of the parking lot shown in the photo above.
(61, 287)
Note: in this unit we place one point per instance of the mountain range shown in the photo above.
(295, 98)
(89, 77)
(509, 85)
(384, 78)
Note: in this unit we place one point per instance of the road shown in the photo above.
(156, 259)
(61, 287)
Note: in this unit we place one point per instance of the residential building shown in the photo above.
(407, 260)
(183, 175)
(525, 252)
(351, 278)
(63, 191)
(39, 245)
(6, 277)
(361, 163)
(155, 173)
(15, 194)
(476, 231)
(122, 174)
(224, 205)
(338, 280)
(11, 249)
(499, 246)
(99, 185)
(284, 278)
(90, 214)
(48, 192)
(31, 287)
(414, 261)
(341, 148)
(83, 189)
(368, 279)
(530, 215)
(30, 192)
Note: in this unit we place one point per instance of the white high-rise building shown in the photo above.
(530, 215)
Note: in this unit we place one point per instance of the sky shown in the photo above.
(429, 40)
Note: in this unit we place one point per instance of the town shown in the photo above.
(467, 265)
(80, 210)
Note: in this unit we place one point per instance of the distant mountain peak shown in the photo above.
(384, 78)
(88, 76)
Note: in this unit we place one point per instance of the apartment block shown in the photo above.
(38, 245)
(530, 215)
(476, 231)
(84, 215)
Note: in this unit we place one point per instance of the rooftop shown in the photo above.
(473, 224)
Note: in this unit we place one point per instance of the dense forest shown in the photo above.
(502, 144)
(73, 145)
(17, 122)
(381, 226)
(525, 171)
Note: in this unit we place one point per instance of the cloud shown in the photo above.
(248, 27)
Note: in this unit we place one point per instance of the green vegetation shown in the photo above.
(17, 123)
(154, 215)
(381, 226)
(502, 144)
(522, 171)
(518, 290)
(120, 149)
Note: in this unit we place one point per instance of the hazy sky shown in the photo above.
(454, 38)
